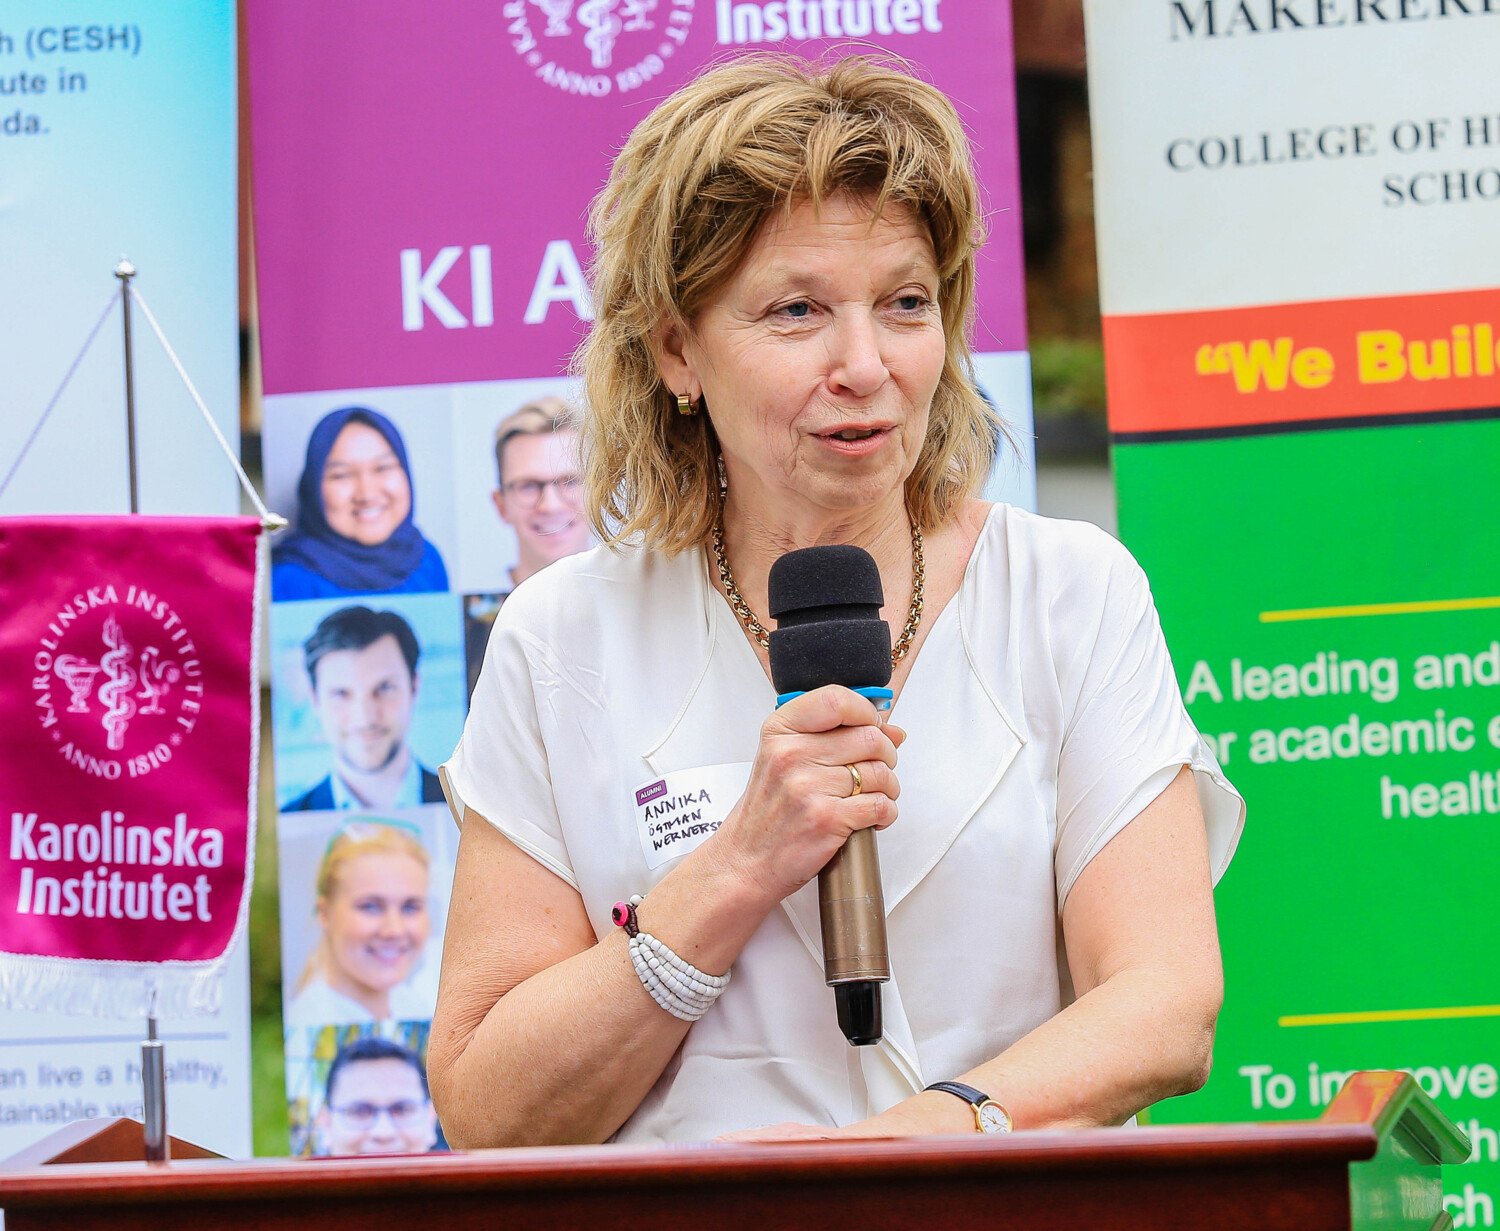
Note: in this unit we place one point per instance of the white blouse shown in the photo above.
(1042, 716)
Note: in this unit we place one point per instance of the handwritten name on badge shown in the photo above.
(676, 814)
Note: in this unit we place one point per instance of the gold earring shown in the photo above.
(685, 405)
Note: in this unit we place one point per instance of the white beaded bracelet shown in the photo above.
(678, 986)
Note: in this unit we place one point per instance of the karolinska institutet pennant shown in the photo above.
(128, 710)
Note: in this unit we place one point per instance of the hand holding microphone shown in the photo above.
(826, 601)
(799, 806)
(824, 777)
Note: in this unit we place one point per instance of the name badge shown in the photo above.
(678, 813)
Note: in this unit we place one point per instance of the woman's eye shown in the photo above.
(911, 303)
(797, 311)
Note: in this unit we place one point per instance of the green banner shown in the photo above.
(1330, 598)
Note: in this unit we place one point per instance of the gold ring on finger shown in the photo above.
(859, 781)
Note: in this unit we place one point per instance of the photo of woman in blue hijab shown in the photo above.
(355, 533)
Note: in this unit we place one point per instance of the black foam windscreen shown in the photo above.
(826, 602)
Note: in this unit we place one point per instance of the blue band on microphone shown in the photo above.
(882, 697)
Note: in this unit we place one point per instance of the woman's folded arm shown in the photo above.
(544, 1035)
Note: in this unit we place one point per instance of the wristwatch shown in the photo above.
(989, 1116)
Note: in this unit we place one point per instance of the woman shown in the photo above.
(785, 271)
(374, 922)
(355, 533)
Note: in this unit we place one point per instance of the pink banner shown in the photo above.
(421, 182)
(127, 721)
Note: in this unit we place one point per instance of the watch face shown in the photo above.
(992, 1118)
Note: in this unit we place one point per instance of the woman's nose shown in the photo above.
(856, 365)
(363, 484)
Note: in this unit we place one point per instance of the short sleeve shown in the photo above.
(1128, 734)
(500, 768)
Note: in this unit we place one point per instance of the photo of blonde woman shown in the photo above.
(374, 922)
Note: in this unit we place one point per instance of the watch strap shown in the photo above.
(979, 1101)
(969, 1095)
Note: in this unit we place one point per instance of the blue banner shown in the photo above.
(117, 139)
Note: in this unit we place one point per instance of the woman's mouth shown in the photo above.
(855, 441)
(390, 953)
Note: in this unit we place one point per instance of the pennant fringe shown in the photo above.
(110, 989)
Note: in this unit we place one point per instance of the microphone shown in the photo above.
(826, 602)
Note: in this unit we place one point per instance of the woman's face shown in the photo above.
(376, 919)
(366, 494)
(819, 359)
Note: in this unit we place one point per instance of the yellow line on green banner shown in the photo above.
(1389, 1015)
(1375, 609)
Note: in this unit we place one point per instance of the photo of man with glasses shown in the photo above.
(377, 1103)
(538, 485)
(537, 492)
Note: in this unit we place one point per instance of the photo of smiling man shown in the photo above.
(376, 1102)
(362, 673)
(536, 494)
(538, 485)
(366, 698)
(360, 1088)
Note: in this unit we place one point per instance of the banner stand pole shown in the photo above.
(154, 1100)
(125, 271)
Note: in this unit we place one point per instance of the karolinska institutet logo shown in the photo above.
(116, 681)
(597, 48)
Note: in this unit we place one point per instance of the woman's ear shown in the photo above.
(669, 346)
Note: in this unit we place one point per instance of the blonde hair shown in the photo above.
(683, 206)
(355, 839)
(538, 417)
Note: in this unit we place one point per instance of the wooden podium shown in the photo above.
(1371, 1163)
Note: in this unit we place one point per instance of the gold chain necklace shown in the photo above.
(762, 638)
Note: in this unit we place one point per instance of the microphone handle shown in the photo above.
(851, 909)
(856, 959)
